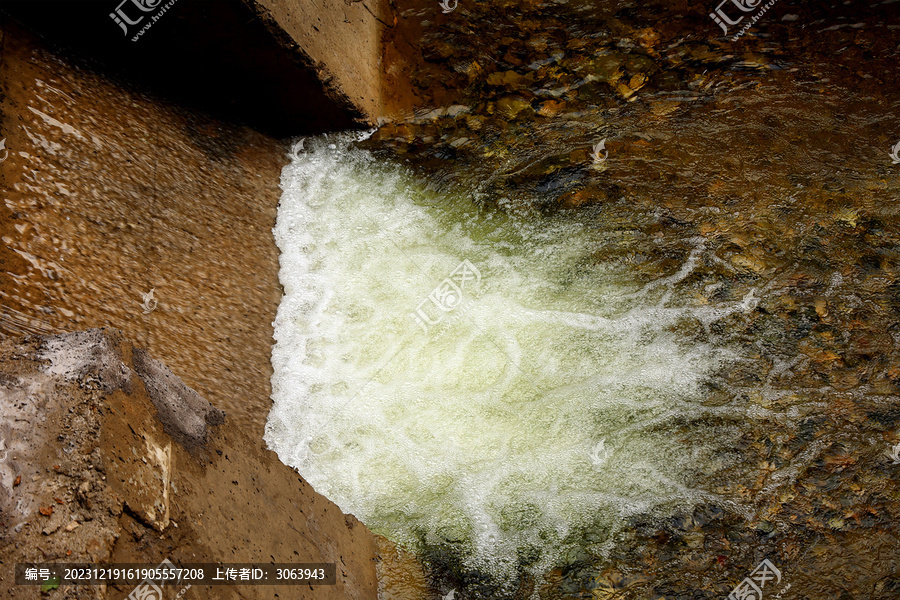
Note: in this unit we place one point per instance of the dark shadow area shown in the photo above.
(215, 56)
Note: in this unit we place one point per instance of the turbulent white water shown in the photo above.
(460, 378)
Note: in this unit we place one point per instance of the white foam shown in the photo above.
(552, 398)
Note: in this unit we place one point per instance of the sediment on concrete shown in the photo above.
(109, 458)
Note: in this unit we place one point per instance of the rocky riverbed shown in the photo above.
(645, 123)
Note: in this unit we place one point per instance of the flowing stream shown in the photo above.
(463, 377)
(609, 307)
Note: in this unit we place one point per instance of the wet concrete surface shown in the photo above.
(92, 474)
(109, 194)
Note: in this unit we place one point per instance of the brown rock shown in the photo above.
(513, 106)
(551, 108)
(505, 78)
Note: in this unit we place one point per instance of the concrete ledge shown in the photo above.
(89, 474)
(342, 40)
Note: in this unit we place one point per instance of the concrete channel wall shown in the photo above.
(284, 67)
(149, 162)
(342, 39)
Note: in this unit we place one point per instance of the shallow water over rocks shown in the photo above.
(643, 125)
